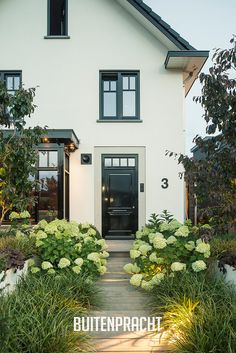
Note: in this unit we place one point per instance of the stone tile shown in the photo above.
(120, 299)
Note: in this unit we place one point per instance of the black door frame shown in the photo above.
(136, 194)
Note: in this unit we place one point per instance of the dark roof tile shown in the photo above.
(157, 21)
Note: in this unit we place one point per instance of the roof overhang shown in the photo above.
(190, 62)
(65, 136)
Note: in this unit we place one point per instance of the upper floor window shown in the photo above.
(119, 95)
(57, 17)
(12, 80)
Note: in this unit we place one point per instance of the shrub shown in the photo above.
(199, 312)
(63, 244)
(38, 316)
(220, 246)
(164, 248)
(14, 250)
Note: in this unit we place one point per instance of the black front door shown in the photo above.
(119, 195)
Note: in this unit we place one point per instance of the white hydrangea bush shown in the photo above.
(165, 250)
(68, 245)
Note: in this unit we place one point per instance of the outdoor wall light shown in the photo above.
(71, 147)
(86, 158)
(45, 140)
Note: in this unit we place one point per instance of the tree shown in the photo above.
(214, 177)
(17, 151)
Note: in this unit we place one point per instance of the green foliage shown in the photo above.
(14, 108)
(220, 246)
(11, 258)
(213, 178)
(156, 219)
(164, 248)
(17, 151)
(38, 316)
(17, 173)
(63, 244)
(15, 249)
(197, 309)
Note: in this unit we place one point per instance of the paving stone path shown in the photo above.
(121, 299)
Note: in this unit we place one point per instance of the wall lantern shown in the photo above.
(71, 147)
(86, 158)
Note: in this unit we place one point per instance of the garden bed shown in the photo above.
(178, 269)
(41, 296)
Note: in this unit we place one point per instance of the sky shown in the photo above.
(205, 24)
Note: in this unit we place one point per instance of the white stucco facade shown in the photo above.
(103, 36)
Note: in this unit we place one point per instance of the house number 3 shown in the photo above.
(165, 183)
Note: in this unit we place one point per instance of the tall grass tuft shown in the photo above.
(199, 313)
(38, 316)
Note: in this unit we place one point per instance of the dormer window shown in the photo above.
(57, 18)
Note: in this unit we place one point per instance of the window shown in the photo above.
(12, 80)
(57, 17)
(53, 175)
(119, 95)
(119, 162)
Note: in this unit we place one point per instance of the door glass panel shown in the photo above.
(116, 162)
(43, 159)
(109, 104)
(107, 162)
(123, 162)
(129, 102)
(131, 162)
(48, 195)
(120, 186)
(53, 159)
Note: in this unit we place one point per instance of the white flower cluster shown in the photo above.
(131, 268)
(178, 266)
(21, 215)
(134, 253)
(159, 242)
(182, 231)
(68, 239)
(190, 245)
(165, 252)
(199, 265)
(203, 248)
(138, 280)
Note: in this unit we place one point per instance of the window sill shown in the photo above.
(119, 121)
(56, 37)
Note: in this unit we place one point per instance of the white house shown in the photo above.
(112, 78)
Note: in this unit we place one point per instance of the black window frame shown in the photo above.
(61, 35)
(5, 73)
(119, 94)
(60, 170)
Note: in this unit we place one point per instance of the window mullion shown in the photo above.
(120, 96)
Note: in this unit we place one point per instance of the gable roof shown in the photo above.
(157, 21)
(184, 57)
